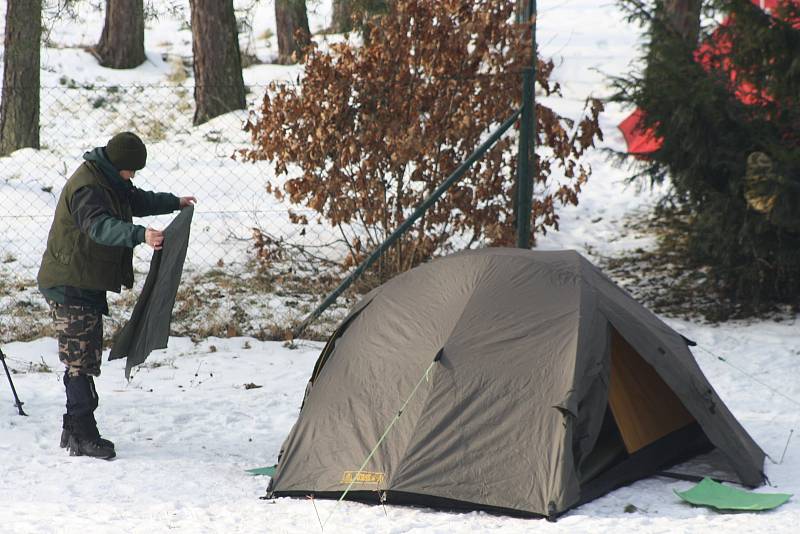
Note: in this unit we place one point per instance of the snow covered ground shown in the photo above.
(187, 427)
(191, 420)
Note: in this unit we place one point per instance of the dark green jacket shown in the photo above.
(91, 240)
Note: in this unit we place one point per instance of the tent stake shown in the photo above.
(787, 445)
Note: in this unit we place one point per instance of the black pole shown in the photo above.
(527, 137)
(18, 403)
(444, 186)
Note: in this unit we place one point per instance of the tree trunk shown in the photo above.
(219, 87)
(683, 16)
(121, 44)
(342, 11)
(293, 32)
(675, 22)
(19, 104)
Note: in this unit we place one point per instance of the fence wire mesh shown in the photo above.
(223, 290)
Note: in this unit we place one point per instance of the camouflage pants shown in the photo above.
(80, 338)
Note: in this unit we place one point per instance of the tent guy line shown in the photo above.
(752, 377)
(770, 388)
(425, 377)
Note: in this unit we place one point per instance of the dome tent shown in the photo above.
(540, 385)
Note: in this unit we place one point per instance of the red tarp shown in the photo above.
(639, 141)
(642, 141)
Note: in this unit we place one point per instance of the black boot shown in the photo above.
(85, 440)
(66, 432)
(80, 434)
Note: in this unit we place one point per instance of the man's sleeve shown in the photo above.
(145, 203)
(91, 211)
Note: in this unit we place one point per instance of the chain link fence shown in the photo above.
(224, 291)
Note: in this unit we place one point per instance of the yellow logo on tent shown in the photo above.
(363, 477)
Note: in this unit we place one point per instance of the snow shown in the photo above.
(186, 426)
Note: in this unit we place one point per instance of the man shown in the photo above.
(90, 251)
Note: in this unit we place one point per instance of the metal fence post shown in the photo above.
(527, 137)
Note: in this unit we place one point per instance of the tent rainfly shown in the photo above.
(528, 383)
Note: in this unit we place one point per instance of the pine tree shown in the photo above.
(19, 104)
(293, 33)
(121, 44)
(219, 86)
(728, 112)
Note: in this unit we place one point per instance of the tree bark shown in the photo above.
(219, 87)
(293, 33)
(121, 44)
(19, 103)
(683, 16)
(342, 13)
(676, 22)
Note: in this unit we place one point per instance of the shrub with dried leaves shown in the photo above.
(375, 129)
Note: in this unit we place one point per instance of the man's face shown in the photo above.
(127, 175)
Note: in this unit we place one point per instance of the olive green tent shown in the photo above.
(529, 383)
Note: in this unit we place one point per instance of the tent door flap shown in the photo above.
(643, 405)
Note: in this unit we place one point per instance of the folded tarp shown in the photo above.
(148, 327)
(715, 495)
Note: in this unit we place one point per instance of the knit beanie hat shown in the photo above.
(126, 152)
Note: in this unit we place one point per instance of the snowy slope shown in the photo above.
(186, 426)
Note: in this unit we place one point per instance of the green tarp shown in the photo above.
(269, 471)
(715, 495)
(148, 327)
